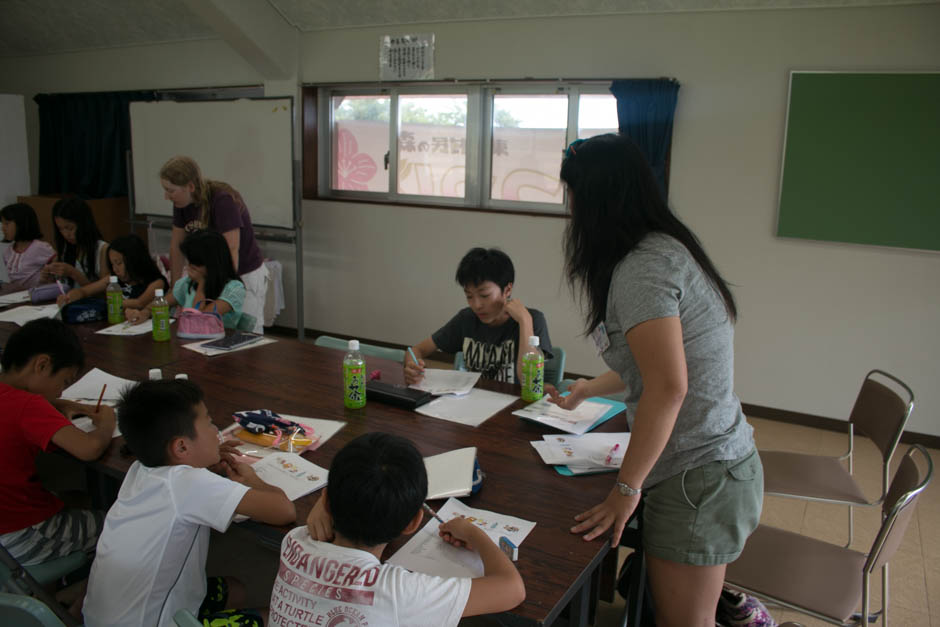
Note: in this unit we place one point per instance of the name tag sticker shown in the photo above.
(601, 340)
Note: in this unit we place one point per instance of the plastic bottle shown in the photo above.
(182, 376)
(154, 374)
(354, 377)
(160, 312)
(115, 297)
(533, 372)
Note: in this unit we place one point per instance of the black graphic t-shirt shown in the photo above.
(489, 350)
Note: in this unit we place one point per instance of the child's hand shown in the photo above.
(577, 392)
(517, 310)
(70, 297)
(243, 474)
(319, 521)
(57, 268)
(104, 418)
(136, 315)
(461, 533)
(414, 372)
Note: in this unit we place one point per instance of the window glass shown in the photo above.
(597, 114)
(432, 145)
(360, 143)
(528, 140)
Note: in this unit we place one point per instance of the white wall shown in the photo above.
(814, 316)
(14, 164)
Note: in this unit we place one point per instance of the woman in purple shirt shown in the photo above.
(199, 203)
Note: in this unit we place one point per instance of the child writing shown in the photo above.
(210, 277)
(493, 330)
(378, 484)
(78, 242)
(137, 273)
(28, 254)
(39, 360)
(151, 559)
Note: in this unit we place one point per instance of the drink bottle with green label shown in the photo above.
(160, 312)
(354, 377)
(533, 372)
(115, 297)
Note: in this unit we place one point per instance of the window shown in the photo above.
(494, 146)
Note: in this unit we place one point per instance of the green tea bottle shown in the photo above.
(533, 372)
(354, 377)
(115, 297)
(160, 312)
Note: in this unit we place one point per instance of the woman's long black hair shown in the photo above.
(210, 250)
(87, 234)
(614, 202)
(140, 266)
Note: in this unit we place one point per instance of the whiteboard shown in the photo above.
(14, 163)
(245, 143)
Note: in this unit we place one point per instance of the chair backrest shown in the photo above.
(24, 611)
(880, 412)
(369, 350)
(554, 367)
(908, 484)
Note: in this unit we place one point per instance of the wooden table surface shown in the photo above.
(294, 377)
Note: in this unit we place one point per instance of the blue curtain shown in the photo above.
(645, 111)
(82, 142)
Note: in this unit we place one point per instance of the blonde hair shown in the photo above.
(182, 170)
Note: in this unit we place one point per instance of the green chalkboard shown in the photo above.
(861, 161)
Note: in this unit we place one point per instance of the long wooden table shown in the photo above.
(298, 378)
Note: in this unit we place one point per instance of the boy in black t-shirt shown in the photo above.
(493, 331)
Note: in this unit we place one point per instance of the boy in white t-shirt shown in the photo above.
(331, 572)
(151, 556)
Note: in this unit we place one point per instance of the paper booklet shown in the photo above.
(451, 473)
(438, 382)
(14, 298)
(22, 315)
(127, 328)
(291, 473)
(585, 454)
(427, 553)
(88, 388)
(589, 414)
(211, 352)
(471, 409)
(85, 424)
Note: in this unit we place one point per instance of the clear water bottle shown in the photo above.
(354, 377)
(160, 312)
(533, 372)
(115, 297)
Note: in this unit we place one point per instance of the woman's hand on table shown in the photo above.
(577, 392)
(613, 512)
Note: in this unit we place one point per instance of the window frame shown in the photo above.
(479, 140)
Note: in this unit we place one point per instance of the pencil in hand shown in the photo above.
(101, 396)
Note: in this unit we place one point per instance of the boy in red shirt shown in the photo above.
(39, 361)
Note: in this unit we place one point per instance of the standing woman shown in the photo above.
(81, 250)
(203, 204)
(663, 318)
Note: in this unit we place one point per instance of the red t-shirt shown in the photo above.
(27, 424)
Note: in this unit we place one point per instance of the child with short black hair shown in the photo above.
(28, 253)
(378, 484)
(151, 558)
(39, 361)
(493, 331)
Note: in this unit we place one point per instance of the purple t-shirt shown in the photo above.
(225, 214)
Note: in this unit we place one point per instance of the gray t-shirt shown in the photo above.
(487, 349)
(661, 279)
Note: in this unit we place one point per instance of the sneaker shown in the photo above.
(737, 609)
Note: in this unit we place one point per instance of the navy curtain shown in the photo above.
(82, 142)
(645, 111)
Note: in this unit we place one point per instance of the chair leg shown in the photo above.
(851, 528)
(884, 595)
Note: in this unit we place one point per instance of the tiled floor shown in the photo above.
(915, 569)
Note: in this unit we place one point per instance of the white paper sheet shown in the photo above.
(211, 352)
(85, 424)
(22, 315)
(88, 388)
(425, 552)
(576, 421)
(588, 451)
(472, 409)
(126, 328)
(291, 473)
(14, 298)
(439, 382)
(450, 473)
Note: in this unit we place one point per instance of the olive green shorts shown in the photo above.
(703, 516)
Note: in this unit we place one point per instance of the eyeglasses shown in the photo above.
(571, 150)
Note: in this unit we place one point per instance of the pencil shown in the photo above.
(430, 511)
(100, 396)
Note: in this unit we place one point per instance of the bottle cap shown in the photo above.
(182, 375)
(154, 374)
(533, 340)
(113, 279)
(353, 345)
(158, 293)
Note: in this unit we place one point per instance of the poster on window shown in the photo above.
(406, 57)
